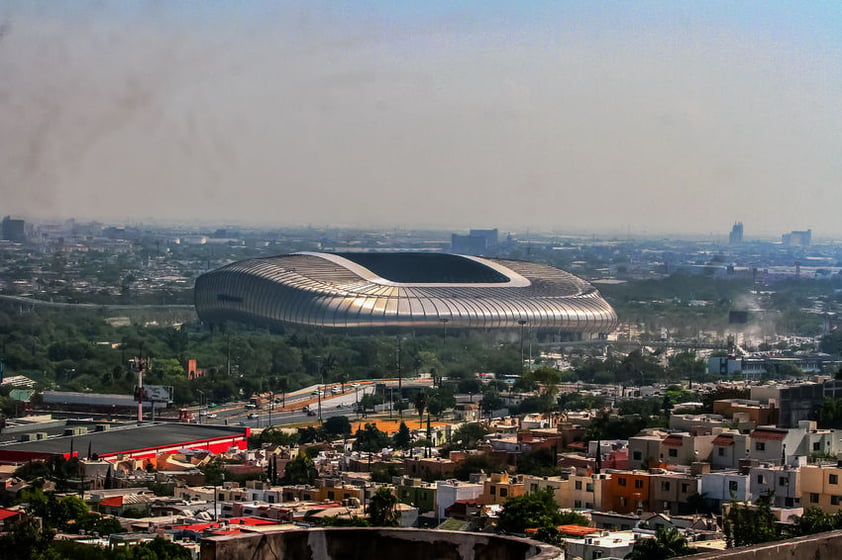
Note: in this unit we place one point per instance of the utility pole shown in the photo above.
(400, 379)
(319, 388)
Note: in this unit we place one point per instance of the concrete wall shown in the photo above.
(823, 546)
(363, 543)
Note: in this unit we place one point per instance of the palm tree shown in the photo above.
(421, 401)
(666, 544)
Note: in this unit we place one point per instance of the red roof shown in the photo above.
(7, 513)
(251, 521)
(673, 441)
(723, 440)
(769, 434)
(113, 501)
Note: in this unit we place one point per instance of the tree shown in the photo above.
(371, 439)
(440, 400)
(666, 544)
(421, 400)
(369, 401)
(300, 470)
(467, 436)
(815, 520)
(213, 471)
(383, 508)
(530, 511)
(474, 463)
(540, 462)
(491, 401)
(402, 438)
(746, 524)
(337, 426)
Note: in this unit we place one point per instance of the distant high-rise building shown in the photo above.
(736, 235)
(477, 242)
(13, 230)
(798, 238)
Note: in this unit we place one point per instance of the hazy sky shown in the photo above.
(588, 116)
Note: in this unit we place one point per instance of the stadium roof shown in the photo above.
(404, 290)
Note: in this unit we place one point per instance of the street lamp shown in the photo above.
(522, 323)
(215, 500)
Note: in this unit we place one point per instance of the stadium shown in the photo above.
(401, 290)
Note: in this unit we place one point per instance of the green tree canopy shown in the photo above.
(750, 524)
(667, 543)
(371, 439)
(383, 508)
(337, 426)
(402, 438)
(300, 470)
(532, 511)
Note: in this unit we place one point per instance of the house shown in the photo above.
(783, 483)
(449, 492)
(729, 448)
(821, 487)
(605, 544)
(499, 487)
(721, 487)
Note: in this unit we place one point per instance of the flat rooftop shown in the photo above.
(125, 438)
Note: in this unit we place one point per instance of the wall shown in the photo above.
(359, 544)
(823, 546)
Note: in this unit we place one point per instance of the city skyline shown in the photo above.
(647, 118)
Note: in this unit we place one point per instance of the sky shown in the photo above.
(600, 117)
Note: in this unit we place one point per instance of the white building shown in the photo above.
(606, 544)
(449, 491)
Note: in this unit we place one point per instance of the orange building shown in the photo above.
(500, 487)
(628, 491)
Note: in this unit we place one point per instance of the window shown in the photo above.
(720, 451)
(732, 486)
(533, 488)
(577, 503)
(638, 484)
(665, 486)
(589, 487)
(760, 446)
(503, 492)
(622, 481)
(637, 455)
(330, 495)
(783, 481)
(835, 500)
(684, 488)
(817, 446)
(622, 501)
(673, 452)
(814, 498)
(578, 485)
(493, 490)
(833, 479)
(761, 479)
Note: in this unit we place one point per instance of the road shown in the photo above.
(341, 404)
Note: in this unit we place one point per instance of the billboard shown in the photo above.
(156, 393)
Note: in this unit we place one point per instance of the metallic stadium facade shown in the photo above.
(401, 290)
